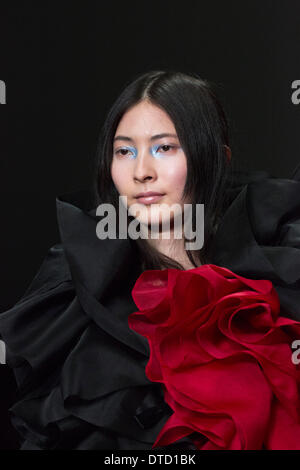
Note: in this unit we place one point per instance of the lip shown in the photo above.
(149, 197)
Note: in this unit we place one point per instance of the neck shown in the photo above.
(174, 249)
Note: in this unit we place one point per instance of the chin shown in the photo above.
(154, 217)
(148, 219)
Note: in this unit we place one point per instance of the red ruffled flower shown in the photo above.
(223, 354)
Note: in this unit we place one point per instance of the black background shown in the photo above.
(64, 63)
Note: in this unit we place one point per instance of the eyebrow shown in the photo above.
(153, 137)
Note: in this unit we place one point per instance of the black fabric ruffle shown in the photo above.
(80, 370)
(259, 237)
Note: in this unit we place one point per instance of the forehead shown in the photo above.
(145, 119)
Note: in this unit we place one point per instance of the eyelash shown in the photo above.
(117, 152)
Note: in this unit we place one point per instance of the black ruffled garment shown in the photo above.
(80, 369)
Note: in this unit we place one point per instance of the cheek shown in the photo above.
(119, 177)
(175, 176)
(114, 174)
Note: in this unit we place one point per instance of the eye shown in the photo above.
(123, 152)
(166, 148)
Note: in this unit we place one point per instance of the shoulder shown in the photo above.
(259, 236)
(71, 348)
(53, 271)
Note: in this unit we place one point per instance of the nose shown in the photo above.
(144, 168)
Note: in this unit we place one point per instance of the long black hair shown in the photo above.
(202, 130)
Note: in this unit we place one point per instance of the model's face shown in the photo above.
(144, 159)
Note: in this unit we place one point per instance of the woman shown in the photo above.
(95, 373)
(196, 151)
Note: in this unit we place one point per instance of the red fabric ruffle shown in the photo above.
(224, 356)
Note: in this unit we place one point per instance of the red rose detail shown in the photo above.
(223, 353)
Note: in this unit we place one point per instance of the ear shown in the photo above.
(228, 152)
